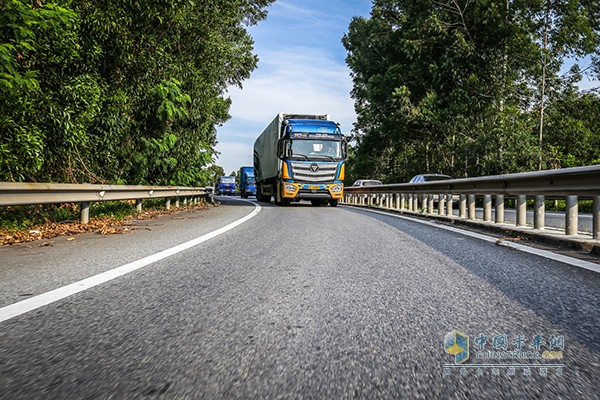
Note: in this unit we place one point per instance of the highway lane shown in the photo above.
(298, 302)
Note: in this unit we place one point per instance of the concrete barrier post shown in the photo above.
(571, 216)
(521, 210)
(471, 206)
(84, 213)
(449, 205)
(539, 211)
(596, 218)
(487, 207)
(500, 209)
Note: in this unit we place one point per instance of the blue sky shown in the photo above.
(301, 70)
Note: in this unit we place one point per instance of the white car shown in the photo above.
(367, 182)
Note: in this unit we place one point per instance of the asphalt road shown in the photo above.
(296, 303)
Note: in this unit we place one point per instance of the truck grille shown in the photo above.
(326, 173)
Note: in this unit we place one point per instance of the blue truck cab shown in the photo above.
(247, 182)
(225, 185)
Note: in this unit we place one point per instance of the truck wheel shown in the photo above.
(333, 203)
(286, 202)
(315, 203)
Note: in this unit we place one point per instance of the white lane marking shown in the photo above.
(44, 299)
(531, 250)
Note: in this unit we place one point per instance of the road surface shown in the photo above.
(297, 302)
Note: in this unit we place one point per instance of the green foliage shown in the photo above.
(126, 92)
(455, 86)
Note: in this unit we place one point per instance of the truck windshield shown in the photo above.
(314, 149)
(250, 180)
(227, 179)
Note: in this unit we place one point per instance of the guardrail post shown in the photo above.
(138, 205)
(168, 204)
(387, 200)
(539, 213)
(596, 218)
(84, 213)
(471, 206)
(521, 210)
(415, 202)
(441, 204)
(449, 205)
(487, 207)
(499, 208)
(402, 201)
(177, 202)
(462, 213)
(571, 215)
(410, 202)
(430, 201)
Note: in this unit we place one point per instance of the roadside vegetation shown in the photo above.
(28, 223)
(472, 88)
(120, 92)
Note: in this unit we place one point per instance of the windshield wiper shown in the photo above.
(330, 157)
(300, 155)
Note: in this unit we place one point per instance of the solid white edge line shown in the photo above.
(25, 306)
(531, 250)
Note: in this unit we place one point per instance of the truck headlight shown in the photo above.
(289, 188)
(336, 188)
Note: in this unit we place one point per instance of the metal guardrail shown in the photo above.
(572, 184)
(13, 194)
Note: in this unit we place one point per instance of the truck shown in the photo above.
(225, 185)
(247, 182)
(300, 157)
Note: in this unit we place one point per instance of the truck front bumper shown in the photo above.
(312, 191)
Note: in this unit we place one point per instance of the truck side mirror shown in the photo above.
(344, 148)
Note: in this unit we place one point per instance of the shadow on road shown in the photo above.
(563, 294)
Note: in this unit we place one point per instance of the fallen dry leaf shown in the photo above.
(101, 225)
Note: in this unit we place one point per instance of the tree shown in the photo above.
(453, 86)
(131, 91)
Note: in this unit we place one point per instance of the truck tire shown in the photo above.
(333, 203)
(315, 203)
(261, 197)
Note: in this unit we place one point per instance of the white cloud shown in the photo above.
(296, 86)
(301, 70)
(298, 80)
